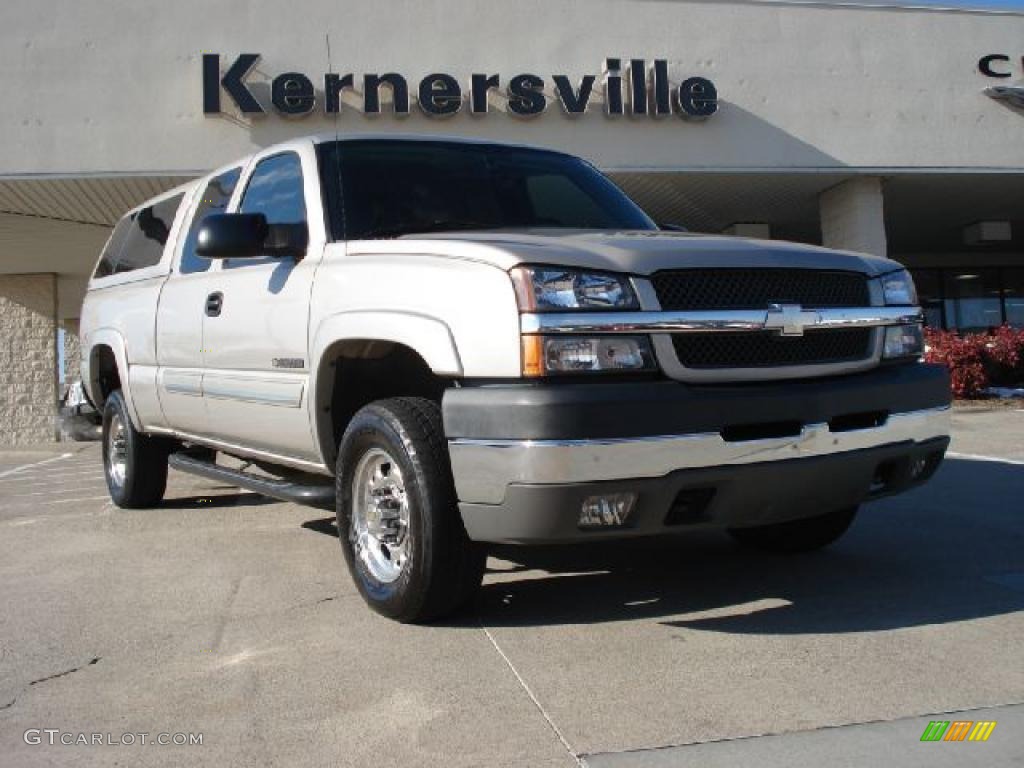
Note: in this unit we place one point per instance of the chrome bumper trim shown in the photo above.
(723, 321)
(483, 469)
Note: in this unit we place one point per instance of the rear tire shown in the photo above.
(135, 464)
(796, 536)
(398, 517)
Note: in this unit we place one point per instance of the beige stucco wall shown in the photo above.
(116, 87)
(28, 358)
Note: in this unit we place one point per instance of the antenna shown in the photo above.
(337, 140)
(330, 68)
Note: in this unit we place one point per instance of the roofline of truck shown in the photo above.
(323, 138)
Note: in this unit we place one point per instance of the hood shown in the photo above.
(634, 252)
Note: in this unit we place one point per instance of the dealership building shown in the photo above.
(893, 130)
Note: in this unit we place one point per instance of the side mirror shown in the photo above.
(287, 240)
(232, 236)
(247, 236)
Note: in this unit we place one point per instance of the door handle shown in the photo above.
(214, 302)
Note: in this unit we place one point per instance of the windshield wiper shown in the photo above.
(439, 225)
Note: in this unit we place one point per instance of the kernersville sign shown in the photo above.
(633, 87)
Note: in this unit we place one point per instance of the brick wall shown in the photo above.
(72, 353)
(28, 358)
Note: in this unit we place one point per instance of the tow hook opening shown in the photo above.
(886, 475)
(895, 474)
(690, 506)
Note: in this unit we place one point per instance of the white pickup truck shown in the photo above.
(454, 343)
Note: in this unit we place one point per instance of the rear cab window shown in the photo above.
(109, 257)
(139, 239)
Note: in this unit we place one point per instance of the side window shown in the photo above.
(275, 190)
(145, 237)
(214, 200)
(108, 261)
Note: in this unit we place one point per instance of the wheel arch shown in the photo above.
(107, 370)
(418, 351)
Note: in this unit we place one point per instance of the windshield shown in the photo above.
(382, 188)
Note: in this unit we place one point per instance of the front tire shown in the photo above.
(796, 536)
(135, 465)
(398, 519)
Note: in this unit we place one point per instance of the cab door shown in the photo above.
(179, 320)
(256, 318)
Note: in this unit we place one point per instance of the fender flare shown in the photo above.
(428, 336)
(110, 337)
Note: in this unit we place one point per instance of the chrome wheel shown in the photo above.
(380, 516)
(117, 451)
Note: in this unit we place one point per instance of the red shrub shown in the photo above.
(1005, 356)
(978, 360)
(963, 355)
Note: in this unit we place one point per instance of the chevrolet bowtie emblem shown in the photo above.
(789, 319)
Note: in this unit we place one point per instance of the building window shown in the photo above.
(929, 294)
(972, 299)
(1013, 296)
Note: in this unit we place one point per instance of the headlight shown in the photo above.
(898, 288)
(554, 355)
(553, 289)
(903, 341)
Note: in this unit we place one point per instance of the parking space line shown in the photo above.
(45, 471)
(533, 697)
(61, 471)
(979, 457)
(40, 466)
(56, 491)
(15, 490)
(37, 503)
(40, 471)
(23, 467)
(39, 479)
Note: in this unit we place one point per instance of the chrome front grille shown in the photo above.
(697, 289)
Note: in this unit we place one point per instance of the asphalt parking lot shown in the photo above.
(231, 616)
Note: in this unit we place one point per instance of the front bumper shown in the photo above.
(744, 454)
